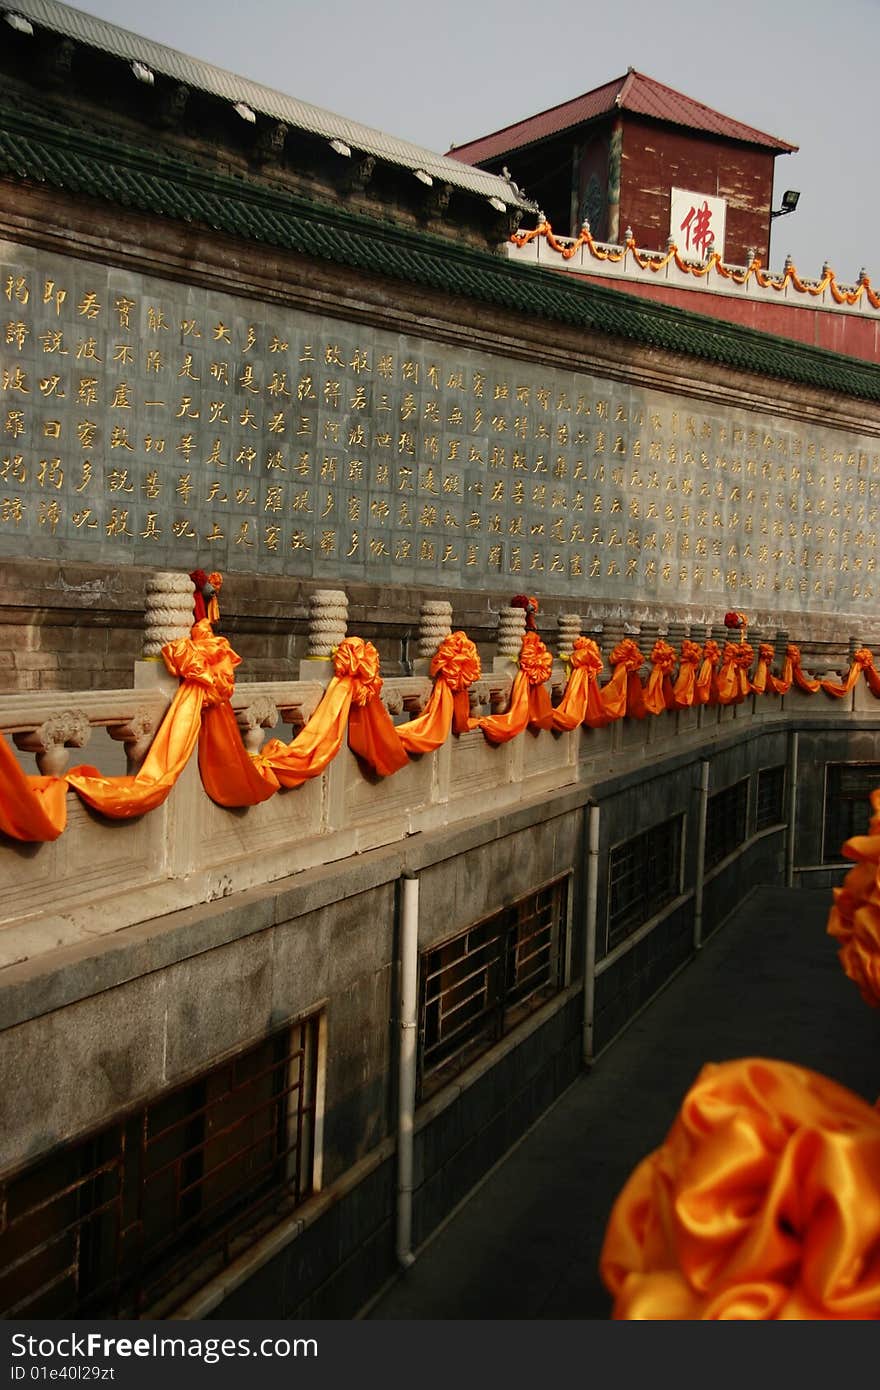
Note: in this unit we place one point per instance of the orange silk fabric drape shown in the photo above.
(529, 701)
(205, 665)
(762, 1203)
(454, 667)
(31, 808)
(581, 702)
(350, 703)
(854, 919)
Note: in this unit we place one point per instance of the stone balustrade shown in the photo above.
(101, 876)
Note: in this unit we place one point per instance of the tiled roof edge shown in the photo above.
(95, 167)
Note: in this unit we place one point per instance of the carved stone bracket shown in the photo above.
(135, 734)
(50, 740)
(252, 719)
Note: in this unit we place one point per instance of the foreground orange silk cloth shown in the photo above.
(854, 919)
(31, 808)
(762, 1203)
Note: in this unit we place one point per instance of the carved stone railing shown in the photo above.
(102, 876)
(49, 725)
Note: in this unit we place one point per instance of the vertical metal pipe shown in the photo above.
(590, 937)
(700, 870)
(792, 807)
(406, 1087)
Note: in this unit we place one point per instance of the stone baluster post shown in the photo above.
(511, 627)
(435, 624)
(328, 626)
(168, 616)
(570, 628)
(328, 622)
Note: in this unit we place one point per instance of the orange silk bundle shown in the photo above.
(581, 703)
(733, 680)
(627, 661)
(529, 701)
(684, 689)
(764, 679)
(863, 660)
(762, 1203)
(31, 808)
(854, 919)
(206, 665)
(658, 692)
(350, 701)
(791, 672)
(705, 686)
(213, 609)
(455, 666)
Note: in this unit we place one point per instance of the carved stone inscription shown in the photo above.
(147, 422)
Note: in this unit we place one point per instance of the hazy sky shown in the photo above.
(803, 70)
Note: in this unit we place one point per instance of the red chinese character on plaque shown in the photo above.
(697, 227)
(697, 223)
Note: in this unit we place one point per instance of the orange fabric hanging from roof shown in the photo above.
(33, 809)
(762, 1203)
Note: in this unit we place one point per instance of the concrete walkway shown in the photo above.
(526, 1244)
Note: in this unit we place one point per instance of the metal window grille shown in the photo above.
(479, 985)
(848, 787)
(726, 822)
(106, 1225)
(769, 801)
(644, 874)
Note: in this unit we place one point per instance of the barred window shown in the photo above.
(726, 822)
(479, 985)
(848, 787)
(103, 1225)
(770, 806)
(644, 874)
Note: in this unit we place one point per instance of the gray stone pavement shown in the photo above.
(526, 1243)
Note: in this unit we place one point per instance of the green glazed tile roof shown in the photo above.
(38, 149)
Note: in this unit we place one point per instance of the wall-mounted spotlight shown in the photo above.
(143, 73)
(497, 204)
(340, 147)
(789, 203)
(18, 23)
(423, 178)
(245, 112)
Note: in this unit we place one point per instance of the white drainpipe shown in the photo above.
(590, 941)
(792, 807)
(700, 870)
(406, 1088)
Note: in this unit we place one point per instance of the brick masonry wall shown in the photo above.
(656, 158)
